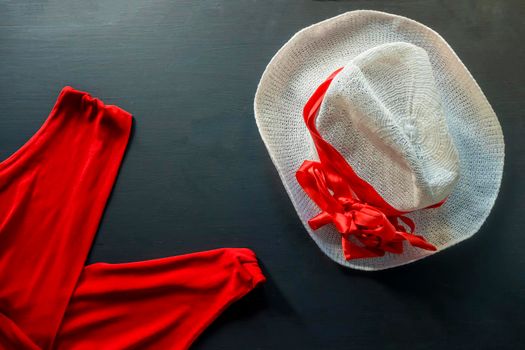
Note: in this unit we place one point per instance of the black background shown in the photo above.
(196, 175)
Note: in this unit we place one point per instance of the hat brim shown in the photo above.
(315, 52)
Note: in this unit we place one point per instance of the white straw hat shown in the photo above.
(405, 115)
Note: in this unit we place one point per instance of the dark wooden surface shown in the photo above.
(196, 175)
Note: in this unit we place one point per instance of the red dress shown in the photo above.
(53, 191)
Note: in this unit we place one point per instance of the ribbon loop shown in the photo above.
(350, 203)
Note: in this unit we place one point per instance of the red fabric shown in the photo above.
(355, 208)
(53, 191)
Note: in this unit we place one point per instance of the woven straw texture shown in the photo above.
(405, 113)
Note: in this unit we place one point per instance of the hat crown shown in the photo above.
(383, 113)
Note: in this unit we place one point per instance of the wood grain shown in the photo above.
(196, 175)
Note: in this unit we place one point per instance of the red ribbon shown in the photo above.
(349, 202)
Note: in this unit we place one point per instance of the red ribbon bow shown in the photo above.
(349, 202)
